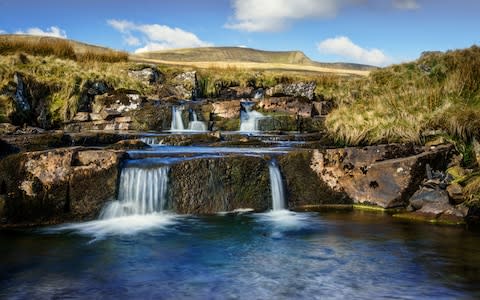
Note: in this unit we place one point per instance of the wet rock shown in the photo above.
(21, 93)
(377, 175)
(129, 145)
(147, 75)
(207, 186)
(426, 196)
(455, 192)
(298, 89)
(303, 186)
(58, 185)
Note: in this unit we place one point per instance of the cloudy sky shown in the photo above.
(377, 32)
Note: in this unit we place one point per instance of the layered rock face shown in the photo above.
(205, 186)
(377, 175)
(57, 185)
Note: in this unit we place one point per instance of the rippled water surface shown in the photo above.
(258, 256)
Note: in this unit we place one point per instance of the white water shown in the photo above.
(177, 121)
(152, 141)
(141, 192)
(140, 206)
(276, 185)
(249, 118)
(195, 124)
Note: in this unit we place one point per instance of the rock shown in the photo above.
(299, 89)
(82, 117)
(120, 103)
(95, 117)
(322, 108)
(185, 85)
(377, 175)
(109, 114)
(436, 142)
(426, 196)
(58, 185)
(123, 119)
(210, 185)
(289, 105)
(236, 93)
(124, 126)
(7, 128)
(129, 145)
(455, 192)
(226, 109)
(147, 75)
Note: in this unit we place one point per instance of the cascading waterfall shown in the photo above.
(249, 118)
(276, 185)
(141, 192)
(177, 121)
(152, 141)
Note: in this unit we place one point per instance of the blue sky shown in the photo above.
(378, 32)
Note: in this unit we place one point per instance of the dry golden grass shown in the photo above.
(254, 66)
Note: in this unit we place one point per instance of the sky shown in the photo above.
(375, 32)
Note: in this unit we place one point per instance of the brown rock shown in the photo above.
(58, 185)
(455, 192)
(81, 117)
(108, 114)
(123, 119)
(96, 117)
(369, 176)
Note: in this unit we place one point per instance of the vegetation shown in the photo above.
(60, 48)
(440, 91)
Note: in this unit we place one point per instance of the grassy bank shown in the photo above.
(439, 91)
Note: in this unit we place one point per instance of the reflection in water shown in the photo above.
(274, 255)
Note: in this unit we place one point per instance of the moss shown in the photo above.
(415, 217)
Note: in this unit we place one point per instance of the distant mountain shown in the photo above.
(243, 55)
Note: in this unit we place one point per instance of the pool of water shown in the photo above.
(249, 256)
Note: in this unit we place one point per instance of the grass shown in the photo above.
(59, 48)
(401, 102)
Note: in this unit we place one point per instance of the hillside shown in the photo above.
(250, 59)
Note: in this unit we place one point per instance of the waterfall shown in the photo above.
(195, 124)
(276, 184)
(141, 192)
(177, 121)
(249, 118)
(152, 141)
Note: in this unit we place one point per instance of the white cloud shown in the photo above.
(52, 31)
(342, 46)
(155, 36)
(274, 15)
(406, 4)
(2, 31)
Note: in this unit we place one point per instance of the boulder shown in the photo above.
(426, 197)
(298, 89)
(377, 175)
(455, 192)
(185, 85)
(148, 75)
(226, 109)
(119, 103)
(58, 185)
(236, 93)
(290, 105)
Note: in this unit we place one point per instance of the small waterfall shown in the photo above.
(249, 118)
(151, 141)
(195, 124)
(141, 192)
(276, 184)
(177, 121)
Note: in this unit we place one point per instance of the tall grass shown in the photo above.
(59, 48)
(399, 103)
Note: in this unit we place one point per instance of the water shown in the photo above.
(265, 256)
(276, 185)
(141, 192)
(194, 124)
(249, 118)
(177, 121)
